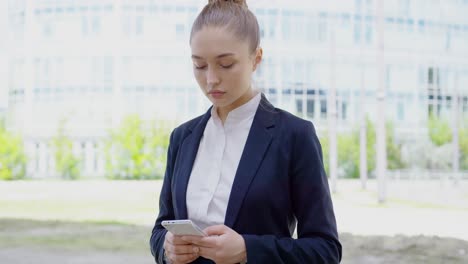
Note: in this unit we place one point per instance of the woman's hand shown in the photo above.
(179, 251)
(222, 245)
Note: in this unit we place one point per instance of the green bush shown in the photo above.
(12, 155)
(137, 150)
(440, 132)
(67, 165)
(463, 142)
(349, 151)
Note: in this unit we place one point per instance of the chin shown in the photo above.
(218, 102)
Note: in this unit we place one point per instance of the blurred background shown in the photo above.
(91, 89)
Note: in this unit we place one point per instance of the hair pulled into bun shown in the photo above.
(242, 3)
(232, 15)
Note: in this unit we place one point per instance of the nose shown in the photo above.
(212, 77)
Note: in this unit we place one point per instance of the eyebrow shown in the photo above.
(219, 56)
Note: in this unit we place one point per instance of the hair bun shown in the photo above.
(239, 2)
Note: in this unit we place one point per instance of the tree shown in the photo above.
(348, 151)
(12, 155)
(440, 132)
(137, 150)
(67, 165)
(394, 157)
(463, 141)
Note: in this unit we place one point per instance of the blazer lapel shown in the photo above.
(257, 144)
(187, 153)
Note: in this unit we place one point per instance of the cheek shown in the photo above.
(199, 76)
(241, 76)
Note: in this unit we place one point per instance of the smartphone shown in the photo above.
(183, 228)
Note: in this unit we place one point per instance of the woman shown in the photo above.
(245, 171)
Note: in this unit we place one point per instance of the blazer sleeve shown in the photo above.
(317, 240)
(166, 211)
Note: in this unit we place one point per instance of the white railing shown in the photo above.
(417, 174)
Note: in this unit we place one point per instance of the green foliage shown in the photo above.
(349, 151)
(12, 155)
(67, 165)
(440, 132)
(463, 142)
(137, 150)
(325, 143)
(394, 157)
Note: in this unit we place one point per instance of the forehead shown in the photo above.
(209, 42)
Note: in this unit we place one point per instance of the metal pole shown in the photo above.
(363, 135)
(332, 114)
(381, 167)
(456, 127)
(4, 55)
(363, 125)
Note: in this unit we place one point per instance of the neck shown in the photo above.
(224, 111)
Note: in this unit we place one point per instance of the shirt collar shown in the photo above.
(241, 113)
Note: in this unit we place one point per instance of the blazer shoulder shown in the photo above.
(294, 123)
(181, 131)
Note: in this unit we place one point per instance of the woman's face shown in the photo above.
(223, 66)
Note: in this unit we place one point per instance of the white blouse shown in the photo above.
(216, 164)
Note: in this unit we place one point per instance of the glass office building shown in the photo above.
(92, 62)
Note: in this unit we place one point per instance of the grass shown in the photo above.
(112, 201)
(83, 236)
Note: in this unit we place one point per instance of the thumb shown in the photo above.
(216, 230)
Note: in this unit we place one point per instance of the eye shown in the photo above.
(199, 67)
(227, 66)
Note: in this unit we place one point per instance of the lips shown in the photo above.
(216, 92)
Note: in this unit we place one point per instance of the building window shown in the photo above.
(95, 25)
(400, 111)
(322, 27)
(410, 25)
(272, 15)
(310, 108)
(323, 108)
(299, 109)
(448, 102)
(84, 26)
(422, 26)
(433, 76)
(465, 104)
(369, 30)
(344, 108)
(139, 25)
(400, 24)
(357, 29)
(287, 25)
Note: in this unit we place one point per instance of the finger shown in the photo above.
(208, 242)
(216, 230)
(181, 249)
(209, 253)
(194, 257)
(176, 240)
(191, 239)
(183, 258)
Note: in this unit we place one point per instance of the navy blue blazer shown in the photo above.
(280, 181)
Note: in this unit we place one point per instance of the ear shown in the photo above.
(258, 58)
